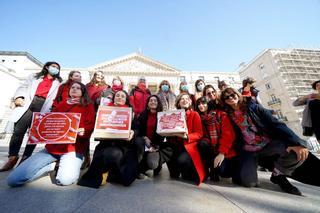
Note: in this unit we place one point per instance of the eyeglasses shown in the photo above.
(233, 96)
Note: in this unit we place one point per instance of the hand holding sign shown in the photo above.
(54, 128)
(81, 131)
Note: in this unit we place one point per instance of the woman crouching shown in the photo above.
(69, 155)
(217, 145)
(181, 152)
(115, 160)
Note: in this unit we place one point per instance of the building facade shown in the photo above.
(16, 66)
(282, 76)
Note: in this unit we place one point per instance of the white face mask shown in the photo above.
(200, 87)
(53, 70)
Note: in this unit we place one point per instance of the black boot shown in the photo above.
(284, 184)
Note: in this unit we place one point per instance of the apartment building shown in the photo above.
(283, 75)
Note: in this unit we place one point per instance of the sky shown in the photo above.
(190, 35)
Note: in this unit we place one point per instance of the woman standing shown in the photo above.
(217, 145)
(166, 96)
(263, 136)
(63, 91)
(36, 94)
(139, 95)
(117, 158)
(181, 152)
(199, 86)
(96, 86)
(310, 119)
(69, 155)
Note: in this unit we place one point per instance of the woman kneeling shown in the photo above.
(69, 155)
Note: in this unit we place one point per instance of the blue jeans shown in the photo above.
(41, 163)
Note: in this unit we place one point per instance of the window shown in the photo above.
(3, 60)
(201, 77)
(268, 86)
(153, 88)
(14, 60)
(261, 66)
(216, 78)
(279, 114)
(182, 78)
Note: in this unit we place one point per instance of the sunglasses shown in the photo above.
(211, 93)
(233, 96)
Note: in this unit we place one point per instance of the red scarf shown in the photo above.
(142, 86)
(73, 100)
(112, 104)
(116, 88)
(211, 122)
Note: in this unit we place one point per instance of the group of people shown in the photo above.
(229, 133)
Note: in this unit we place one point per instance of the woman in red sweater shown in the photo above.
(96, 86)
(63, 91)
(184, 157)
(216, 146)
(69, 155)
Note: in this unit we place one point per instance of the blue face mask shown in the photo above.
(165, 88)
(184, 88)
(53, 71)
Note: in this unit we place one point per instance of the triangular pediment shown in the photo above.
(135, 63)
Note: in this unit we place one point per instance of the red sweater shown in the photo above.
(87, 122)
(151, 125)
(44, 87)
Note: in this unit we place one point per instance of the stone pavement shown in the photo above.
(160, 194)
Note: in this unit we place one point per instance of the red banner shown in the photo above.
(54, 128)
(113, 122)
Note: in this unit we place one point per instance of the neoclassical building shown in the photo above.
(16, 66)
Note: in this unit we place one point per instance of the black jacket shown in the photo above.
(142, 129)
(270, 125)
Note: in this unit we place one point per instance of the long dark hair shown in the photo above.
(159, 105)
(127, 98)
(228, 108)
(200, 100)
(85, 99)
(70, 76)
(204, 93)
(45, 71)
(197, 82)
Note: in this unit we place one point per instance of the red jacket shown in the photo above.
(194, 135)
(62, 94)
(218, 129)
(87, 122)
(94, 91)
(138, 99)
